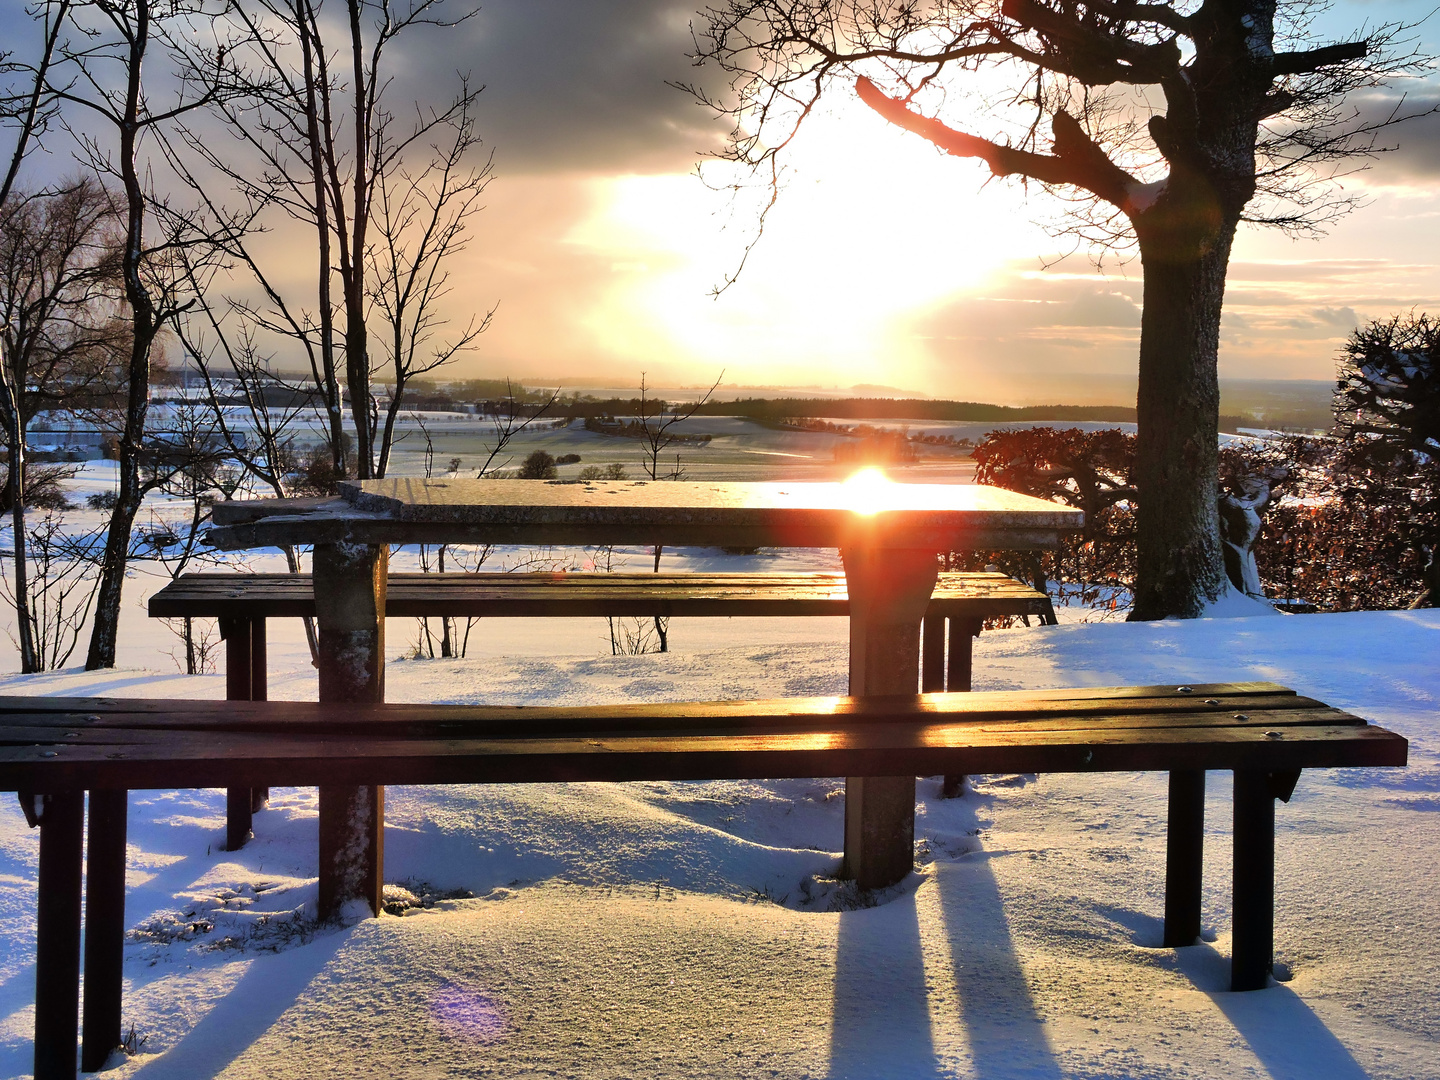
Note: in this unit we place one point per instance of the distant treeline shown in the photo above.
(776, 409)
(488, 396)
(866, 408)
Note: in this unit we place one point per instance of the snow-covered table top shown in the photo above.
(865, 510)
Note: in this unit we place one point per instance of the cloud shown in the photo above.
(1409, 151)
(574, 85)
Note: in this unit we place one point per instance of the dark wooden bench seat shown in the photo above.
(553, 595)
(243, 603)
(53, 750)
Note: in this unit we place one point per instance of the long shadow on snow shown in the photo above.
(881, 1011)
(269, 986)
(881, 1018)
(1291, 1042)
(1006, 1035)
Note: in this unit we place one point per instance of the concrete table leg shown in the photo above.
(350, 613)
(889, 591)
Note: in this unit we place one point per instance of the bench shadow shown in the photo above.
(1291, 1042)
(270, 986)
(1006, 1034)
(881, 1018)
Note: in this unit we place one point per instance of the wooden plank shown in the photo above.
(240, 663)
(1218, 697)
(935, 532)
(116, 735)
(573, 595)
(413, 722)
(350, 586)
(204, 759)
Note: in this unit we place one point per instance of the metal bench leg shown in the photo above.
(1184, 857)
(104, 927)
(57, 933)
(958, 680)
(1253, 947)
(932, 654)
(259, 691)
(350, 610)
(239, 681)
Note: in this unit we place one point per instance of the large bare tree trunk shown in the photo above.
(1180, 567)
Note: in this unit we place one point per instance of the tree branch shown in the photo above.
(1311, 60)
(1078, 161)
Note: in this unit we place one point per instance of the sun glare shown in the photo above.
(873, 226)
(869, 491)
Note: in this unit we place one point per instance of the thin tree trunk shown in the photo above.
(24, 623)
(326, 311)
(357, 353)
(1180, 568)
(144, 329)
(106, 632)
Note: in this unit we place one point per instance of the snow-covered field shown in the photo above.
(687, 930)
(695, 930)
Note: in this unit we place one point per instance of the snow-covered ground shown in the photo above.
(691, 930)
(695, 929)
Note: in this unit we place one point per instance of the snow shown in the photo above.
(1234, 604)
(689, 930)
(695, 930)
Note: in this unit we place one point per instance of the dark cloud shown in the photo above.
(577, 85)
(1409, 151)
(570, 85)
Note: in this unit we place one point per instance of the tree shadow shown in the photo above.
(881, 1019)
(1291, 1042)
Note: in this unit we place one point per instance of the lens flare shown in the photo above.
(869, 491)
(469, 1013)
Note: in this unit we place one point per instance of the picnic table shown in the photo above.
(889, 536)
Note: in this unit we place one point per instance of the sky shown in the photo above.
(882, 263)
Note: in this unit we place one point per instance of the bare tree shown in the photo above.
(58, 342)
(27, 106)
(188, 457)
(62, 586)
(388, 203)
(117, 117)
(421, 221)
(1165, 124)
(658, 421)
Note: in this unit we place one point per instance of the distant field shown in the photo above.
(738, 449)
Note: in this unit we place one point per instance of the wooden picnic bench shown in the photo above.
(243, 602)
(54, 750)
